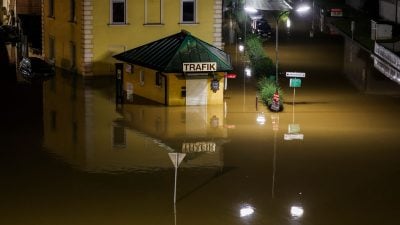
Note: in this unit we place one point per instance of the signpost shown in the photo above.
(176, 159)
(294, 129)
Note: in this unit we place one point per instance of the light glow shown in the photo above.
(296, 211)
(247, 71)
(250, 9)
(302, 8)
(246, 211)
(288, 23)
(241, 48)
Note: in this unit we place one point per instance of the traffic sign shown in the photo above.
(296, 74)
(176, 158)
(295, 82)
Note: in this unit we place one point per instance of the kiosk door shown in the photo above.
(196, 92)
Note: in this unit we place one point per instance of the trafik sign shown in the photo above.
(200, 67)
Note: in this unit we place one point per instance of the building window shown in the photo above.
(118, 12)
(159, 79)
(52, 49)
(188, 11)
(141, 78)
(72, 12)
(153, 11)
(51, 8)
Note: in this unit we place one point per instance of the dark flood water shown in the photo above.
(69, 155)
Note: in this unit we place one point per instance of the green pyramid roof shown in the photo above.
(168, 54)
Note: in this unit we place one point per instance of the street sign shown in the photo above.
(230, 75)
(336, 12)
(295, 82)
(275, 102)
(199, 66)
(296, 74)
(290, 137)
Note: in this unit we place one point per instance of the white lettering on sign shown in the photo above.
(290, 137)
(199, 147)
(199, 67)
(295, 74)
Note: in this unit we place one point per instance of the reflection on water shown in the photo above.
(82, 126)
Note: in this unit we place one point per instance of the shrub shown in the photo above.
(261, 64)
(267, 88)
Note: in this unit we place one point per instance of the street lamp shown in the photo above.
(300, 9)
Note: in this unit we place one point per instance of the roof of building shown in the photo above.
(168, 54)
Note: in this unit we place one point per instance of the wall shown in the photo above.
(387, 10)
(174, 83)
(112, 39)
(148, 88)
(29, 7)
(65, 33)
(97, 40)
(356, 4)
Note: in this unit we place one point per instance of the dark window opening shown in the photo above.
(118, 12)
(188, 11)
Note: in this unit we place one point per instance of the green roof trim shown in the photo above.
(168, 54)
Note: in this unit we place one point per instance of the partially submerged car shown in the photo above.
(36, 68)
(261, 28)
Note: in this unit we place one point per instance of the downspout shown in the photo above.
(165, 83)
(396, 16)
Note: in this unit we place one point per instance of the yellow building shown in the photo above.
(83, 35)
(176, 70)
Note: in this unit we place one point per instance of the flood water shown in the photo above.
(70, 155)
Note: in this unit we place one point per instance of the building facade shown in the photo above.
(83, 35)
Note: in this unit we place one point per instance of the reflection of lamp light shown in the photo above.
(261, 119)
(241, 48)
(246, 211)
(301, 9)
(296, 211)
(247, 70)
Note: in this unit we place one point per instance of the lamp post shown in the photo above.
(300, 9)
(246, 70)
(276, 44)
